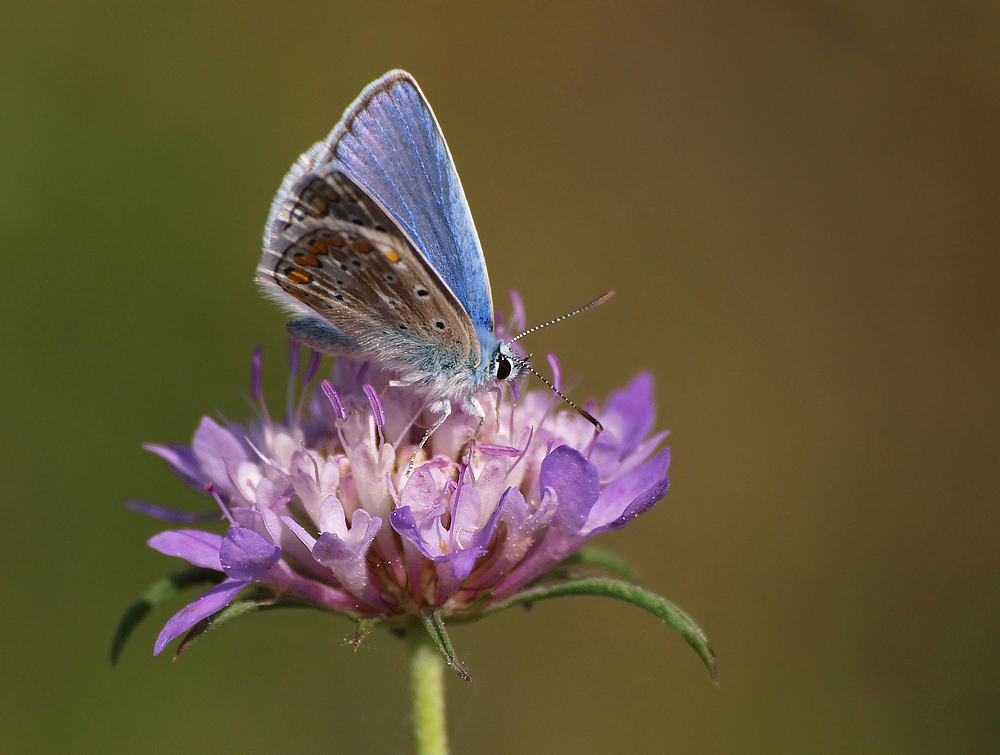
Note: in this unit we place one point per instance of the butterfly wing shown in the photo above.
(342, 257)
(390, 143)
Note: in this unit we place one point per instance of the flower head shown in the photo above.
(322, 507)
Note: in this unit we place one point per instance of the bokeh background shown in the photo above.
(797, 204)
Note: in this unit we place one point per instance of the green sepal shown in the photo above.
(363, 628)
(434, 624)
(156, 594)
(679, 621)
(606, 560)
(260, 599)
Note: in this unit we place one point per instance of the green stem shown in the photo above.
(427, 687)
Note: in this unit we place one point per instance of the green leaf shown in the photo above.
(233, 611)
(679, 621)
(261, 599)
(601, 559)
(156, 594)
(434, 625)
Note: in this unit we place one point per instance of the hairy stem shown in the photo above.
(427, 688)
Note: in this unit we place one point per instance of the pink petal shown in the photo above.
(196, 546)
(212, 601)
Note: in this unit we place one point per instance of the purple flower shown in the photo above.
(321, 509)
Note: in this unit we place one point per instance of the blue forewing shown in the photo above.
(391, 143)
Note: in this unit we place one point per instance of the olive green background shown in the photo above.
(797, 204)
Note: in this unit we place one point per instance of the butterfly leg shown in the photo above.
(497, 396)
(445, 407)
(476, 409)
(473, 407)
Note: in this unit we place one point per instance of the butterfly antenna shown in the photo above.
(582, 412)
(595, 303)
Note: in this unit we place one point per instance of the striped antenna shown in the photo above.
(582, 412)
(595, 303)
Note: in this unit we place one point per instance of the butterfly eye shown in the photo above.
(503, 367)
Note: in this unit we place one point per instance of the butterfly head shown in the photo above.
(505, 364)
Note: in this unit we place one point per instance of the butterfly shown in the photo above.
(371, 245)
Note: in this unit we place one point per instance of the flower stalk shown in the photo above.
(427, 688)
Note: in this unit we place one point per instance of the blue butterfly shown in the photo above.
(371, 244)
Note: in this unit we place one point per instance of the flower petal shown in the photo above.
(637, 455)
(640, 504)
(574, 481)
(370, 471)
(620, 495)
(199, 548)
(517, 319)
(636, 408)
(513, 508)
(332, 517)
(491, 449)
(571, 480)
(331, 548)
(458, 565)
(170, 515)
(364, 528)
(465, 514)
(513, 543)
(219, 453)
(346, 557)
(485, 533)
(403, 521)
(183, 461)
(212, 601)
(313, 479)
(421, 490)
(307, 540)
(246, 555)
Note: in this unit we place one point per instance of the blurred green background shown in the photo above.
(798, 206)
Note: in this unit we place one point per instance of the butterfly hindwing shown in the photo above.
(342, 257)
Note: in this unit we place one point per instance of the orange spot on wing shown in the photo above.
(392, 256)
(297, 276)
